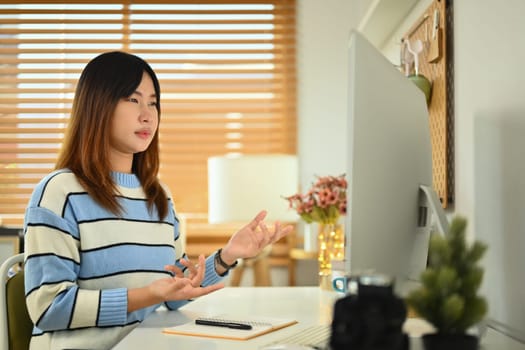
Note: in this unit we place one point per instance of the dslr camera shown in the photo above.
(370, 317)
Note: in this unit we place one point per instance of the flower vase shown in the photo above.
(331, 244)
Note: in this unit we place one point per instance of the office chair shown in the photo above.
(15, 324)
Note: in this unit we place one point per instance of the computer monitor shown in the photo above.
(390, 196)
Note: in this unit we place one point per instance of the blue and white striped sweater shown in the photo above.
(81, 259)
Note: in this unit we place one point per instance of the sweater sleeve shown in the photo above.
(210, 276)
(54, 299)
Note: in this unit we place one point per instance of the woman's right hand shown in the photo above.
(178, 287)
(181, 287)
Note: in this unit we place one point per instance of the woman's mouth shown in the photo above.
(143, 134)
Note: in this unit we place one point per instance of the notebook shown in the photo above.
(259, 326)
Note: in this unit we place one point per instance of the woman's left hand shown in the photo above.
(251, 239)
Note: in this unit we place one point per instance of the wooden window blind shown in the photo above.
(226, 69)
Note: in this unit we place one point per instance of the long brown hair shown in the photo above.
(104, 81)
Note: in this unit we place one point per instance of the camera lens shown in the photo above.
(375, 284)
(376, 280)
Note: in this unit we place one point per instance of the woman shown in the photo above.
(101, 233)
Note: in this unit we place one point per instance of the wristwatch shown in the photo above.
(221, 262)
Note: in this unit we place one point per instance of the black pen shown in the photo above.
(217, 323)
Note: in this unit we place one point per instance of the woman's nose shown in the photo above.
(145, 114)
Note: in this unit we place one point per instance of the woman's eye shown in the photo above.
(132, 99)
(153, 104)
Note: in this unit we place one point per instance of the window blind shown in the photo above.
(226, 69)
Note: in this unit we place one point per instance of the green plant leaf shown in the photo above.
(472, 281)
(429, 278)
(333, 213)
(452, 310)
(317, 214)
(307, 218)
(476, 252)
(421, 301)
(439, 251)
(447, 281)
(475, 309)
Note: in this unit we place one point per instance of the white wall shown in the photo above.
(323, 29)
(489, 125)
(490, 130)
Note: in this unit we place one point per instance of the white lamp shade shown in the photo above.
(239, 187)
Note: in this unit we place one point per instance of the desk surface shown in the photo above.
(308, 305)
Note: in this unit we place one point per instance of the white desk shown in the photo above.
(308, 305)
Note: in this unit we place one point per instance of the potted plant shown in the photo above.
(448, 297)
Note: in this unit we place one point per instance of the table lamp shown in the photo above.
(241, 186)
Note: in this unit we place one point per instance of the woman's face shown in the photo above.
(134, 124)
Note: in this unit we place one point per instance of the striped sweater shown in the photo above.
(81, 259)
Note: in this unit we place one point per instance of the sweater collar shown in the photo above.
(126, 180)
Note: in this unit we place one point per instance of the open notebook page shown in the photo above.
(260, 326)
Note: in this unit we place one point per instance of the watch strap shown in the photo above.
(218, 260)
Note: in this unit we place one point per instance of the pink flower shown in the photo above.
(324, 202)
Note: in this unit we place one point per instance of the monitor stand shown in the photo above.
(429, 198)
(430, 211)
